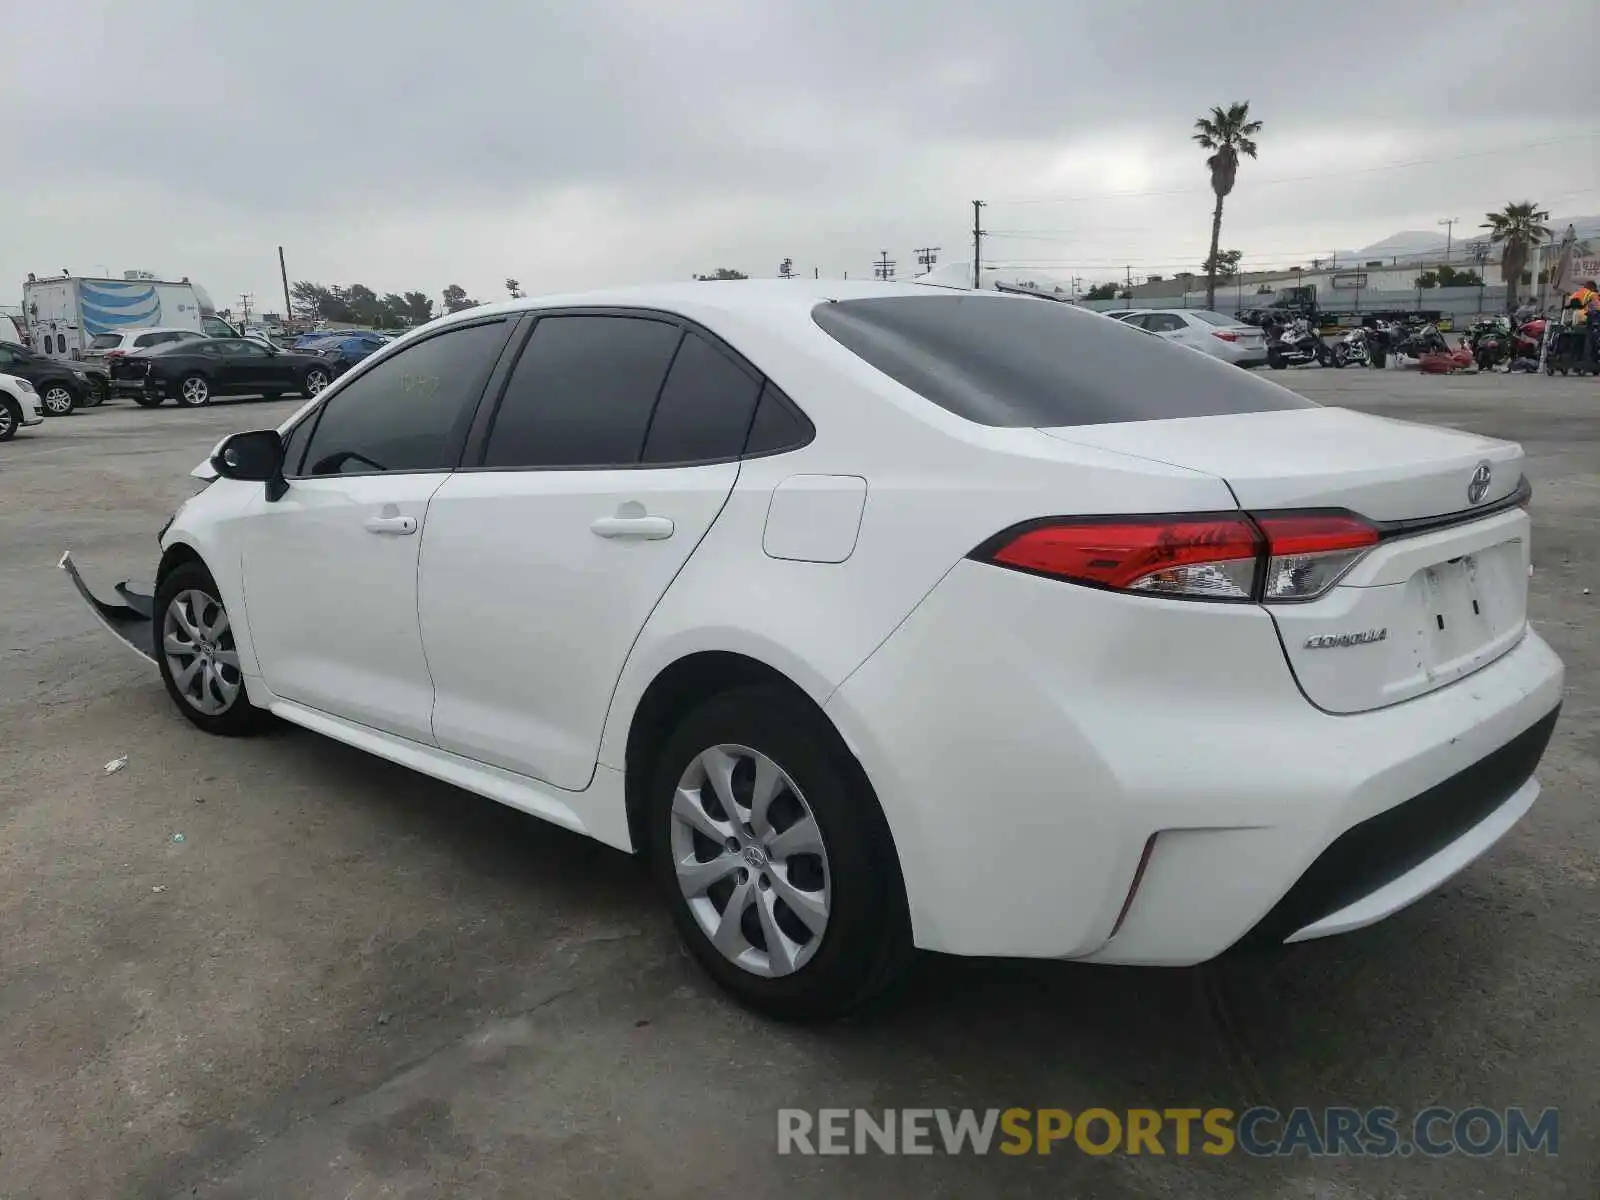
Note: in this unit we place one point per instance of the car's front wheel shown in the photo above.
(775, 857)
(197, 653)
(316, 379)
(194, 391)
(58, 399)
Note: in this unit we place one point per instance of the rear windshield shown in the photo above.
(1006, 361)
(106, 341)
(1213, 318)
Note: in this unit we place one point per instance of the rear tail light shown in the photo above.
(1226, 336)
(1240, 557)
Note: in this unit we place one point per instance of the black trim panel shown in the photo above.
(1384, 847)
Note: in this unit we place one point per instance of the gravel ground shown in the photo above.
(349, 981)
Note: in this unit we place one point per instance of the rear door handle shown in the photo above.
(399, 526)
(644, 528)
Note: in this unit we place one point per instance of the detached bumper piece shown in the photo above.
(128, 617)
(1383, 848)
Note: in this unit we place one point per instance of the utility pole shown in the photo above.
(1449, 224)
(816, 272)
(244, 307)
(283, 272)
(884, 267)
(1128, 272)
(977, 243)
(927, 256)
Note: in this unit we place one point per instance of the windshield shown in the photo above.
(106, 341)
(1009, 363)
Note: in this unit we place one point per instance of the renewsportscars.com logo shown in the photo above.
(1259, 1131)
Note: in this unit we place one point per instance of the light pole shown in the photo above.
(1449, 224)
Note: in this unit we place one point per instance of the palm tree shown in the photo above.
(1518, 229)
(1228, 133)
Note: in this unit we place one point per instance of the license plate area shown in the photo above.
(1467, 608)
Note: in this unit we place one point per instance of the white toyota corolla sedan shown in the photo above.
(881, 617)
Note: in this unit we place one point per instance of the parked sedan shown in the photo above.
(192, 372)
(61, 386)
(1212, 333)
(880, 619)
(344, 352)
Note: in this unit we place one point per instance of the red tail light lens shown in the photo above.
(1227, 337)
(1211, 557)
(1308, 554)
(1221, 556)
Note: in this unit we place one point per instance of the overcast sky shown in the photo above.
(412, 145)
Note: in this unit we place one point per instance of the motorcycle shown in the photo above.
(1490, 342)
(1413, 341)
(1296, 343)
(1361, 347)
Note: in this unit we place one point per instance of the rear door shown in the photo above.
(613, 449)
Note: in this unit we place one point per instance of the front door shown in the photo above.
(246, 367)
(330, 568)
(543, 561)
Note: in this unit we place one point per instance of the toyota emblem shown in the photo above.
(1478, 485)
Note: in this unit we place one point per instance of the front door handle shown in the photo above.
(399, 526)
(644, 528)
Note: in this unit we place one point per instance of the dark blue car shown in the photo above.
(342, 350)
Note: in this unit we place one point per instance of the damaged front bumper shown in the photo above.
(129, 617)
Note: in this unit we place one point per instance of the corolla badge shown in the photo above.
(1338, 641)
(1478, 485)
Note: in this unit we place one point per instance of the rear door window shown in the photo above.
(1011, 362)
(705, 407)
(582, 393)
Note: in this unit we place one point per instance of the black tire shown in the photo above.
(64, 397)
(1378, 358)
(145, 400)
(1275, 360)
(96, 394)
(240, 717)
(1341, 356)
(314, 380)
(10, 419)
(194, 390)
(866, 943)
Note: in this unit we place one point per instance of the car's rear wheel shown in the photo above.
(775, 857)
(194, 391)
(58, 399)
(197, 654)
(316, 379)
(10, 419)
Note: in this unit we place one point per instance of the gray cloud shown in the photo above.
(414, 145)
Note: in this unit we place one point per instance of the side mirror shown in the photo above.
(252, 457)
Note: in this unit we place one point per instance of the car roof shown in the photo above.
(774, 303)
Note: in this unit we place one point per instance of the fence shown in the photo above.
(1458, 304)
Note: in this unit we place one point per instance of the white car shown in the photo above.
(19, 406)
(105, 346)
(1212, 333)
(881, 619)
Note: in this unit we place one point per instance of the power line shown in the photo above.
(1390, 166)
(884, 267)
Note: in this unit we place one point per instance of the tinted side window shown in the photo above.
(294, 445)
(582, 393)
(1012, 362)
(777, 426)
(411, 412)
(705, 408)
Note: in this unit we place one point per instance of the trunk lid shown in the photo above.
(1442, 595)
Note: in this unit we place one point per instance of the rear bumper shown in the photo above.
(1034, 743)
